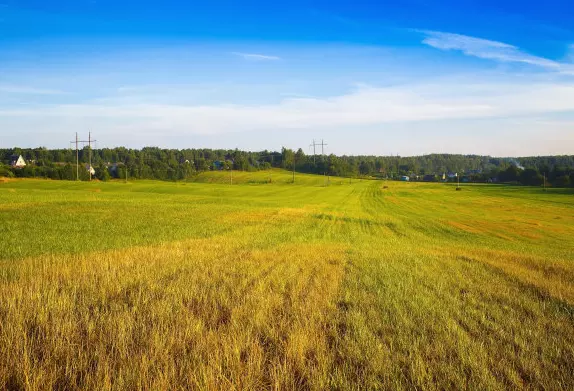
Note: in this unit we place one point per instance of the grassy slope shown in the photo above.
(274, 285)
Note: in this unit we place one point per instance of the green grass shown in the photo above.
(265, 284)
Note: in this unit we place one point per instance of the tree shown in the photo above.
(531, 177)
(102, 173)
(67, 173)
(511, 174)
(156, 163)
(563, 181)
(6, 172)
(287, 158)
(120, 172)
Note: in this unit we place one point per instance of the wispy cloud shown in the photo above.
(491, 50)
(15, 89)
(255, 56)
(443, 115)
(365, 106)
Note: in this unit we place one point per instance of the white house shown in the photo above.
(17, 161)
(90, 169)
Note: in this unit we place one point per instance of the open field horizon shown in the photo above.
(265, 284)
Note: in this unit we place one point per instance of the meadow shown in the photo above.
(266, 284)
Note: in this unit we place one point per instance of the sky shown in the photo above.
(406, 77)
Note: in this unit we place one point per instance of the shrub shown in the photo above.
(6, 172)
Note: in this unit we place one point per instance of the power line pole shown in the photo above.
(77, 159)
(313, 145)
(293, 167)
(77, 156)
(90, 153)
(89, 141)
(322, 155)
(322, 147)
(326, 168)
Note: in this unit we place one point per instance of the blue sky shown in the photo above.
(408, 77)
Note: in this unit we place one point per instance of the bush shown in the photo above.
(562, 181)
(6, 172)
(103, 174)
(531, 177)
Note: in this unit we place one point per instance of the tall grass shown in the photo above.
(270, 285)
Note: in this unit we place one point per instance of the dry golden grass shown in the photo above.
(192, 314)
(277, 286)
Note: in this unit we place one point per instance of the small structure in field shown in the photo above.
(17, 161)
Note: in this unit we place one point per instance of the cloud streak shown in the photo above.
(256, 57)
(490, 50)
(366, 106)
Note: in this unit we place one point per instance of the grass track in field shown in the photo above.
(270, 285)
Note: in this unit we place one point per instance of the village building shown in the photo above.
(17, 161)
(90, 169)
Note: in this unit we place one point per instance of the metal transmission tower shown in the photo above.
(314, 145)
(89, 142)
(322, 144)
(294, 162)
(322, 147)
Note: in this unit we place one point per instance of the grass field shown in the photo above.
(271, 285)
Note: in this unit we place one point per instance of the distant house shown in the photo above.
(429, 178)
(17, 161)
(218, 165)
(90, 169)
(405, 178)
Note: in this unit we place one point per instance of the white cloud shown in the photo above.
(491, 50)
(257, 57)
(366, 106)
(450, 112)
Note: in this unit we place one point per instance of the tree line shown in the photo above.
(182, 164)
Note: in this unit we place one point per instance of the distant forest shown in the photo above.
(172, 164)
